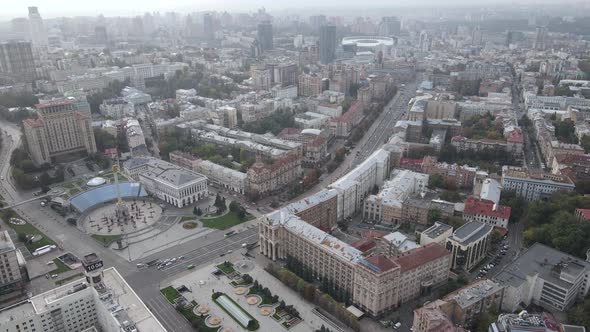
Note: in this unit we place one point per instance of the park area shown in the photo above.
(245, 297)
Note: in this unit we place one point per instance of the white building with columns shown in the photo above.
(170, 183)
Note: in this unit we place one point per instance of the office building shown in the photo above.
(58, 130)
(37, 28)
(16, 61)
(540, 42)
(265, 35)
(100, 301)
(437, 233)
(100, 35)
(534, 185)
(170, 183)
(469, 245)
(327, 44)
(208, 26)
(13, 271)
(389, 26)
(544, 276)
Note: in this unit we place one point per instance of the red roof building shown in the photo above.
(583, 214)
(411, 164)
(364, 245)
(486, 211)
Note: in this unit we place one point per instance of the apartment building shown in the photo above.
(469, 245)
(309, 85)
(534, 185)
(486, 212)
(387, 205)
(394, 244)
(431, 318)
(100, 301)
(544, 276)
(318, 210)
(458, 308)
(469, 301)
(13, 271)
(58, 130)
(267, 178)
(461, 176)
(422, 269)
(356, 185)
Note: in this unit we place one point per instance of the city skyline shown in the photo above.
(66, 8)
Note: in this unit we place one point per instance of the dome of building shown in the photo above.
(97, 181)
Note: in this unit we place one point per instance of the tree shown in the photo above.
(451, 196)
(435, 181)
(434, 215)
(580, 314)
(104, 140)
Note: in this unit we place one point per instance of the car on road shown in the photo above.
(190, 266)
(50, 262)
(54, 276)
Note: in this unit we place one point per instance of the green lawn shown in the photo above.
(226, 268)
(69, 185)
(106, 240)
(73, 191)
(265, 299)
(170, 293)
(197, 321)
(61, 267)
(28, 229)
(225, 221)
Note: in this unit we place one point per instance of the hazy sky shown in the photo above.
(56, 8)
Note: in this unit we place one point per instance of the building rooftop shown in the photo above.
(6, 243)
(328, 242)
(543, 262)
(400, 241)
(133, 309)
(311, 201)
(525, 174)
(474, 206)
(471, 232)
(491, 190)
(473, 293)
(382, 263)
(420, 256)
(436, 230)
(525, 322)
